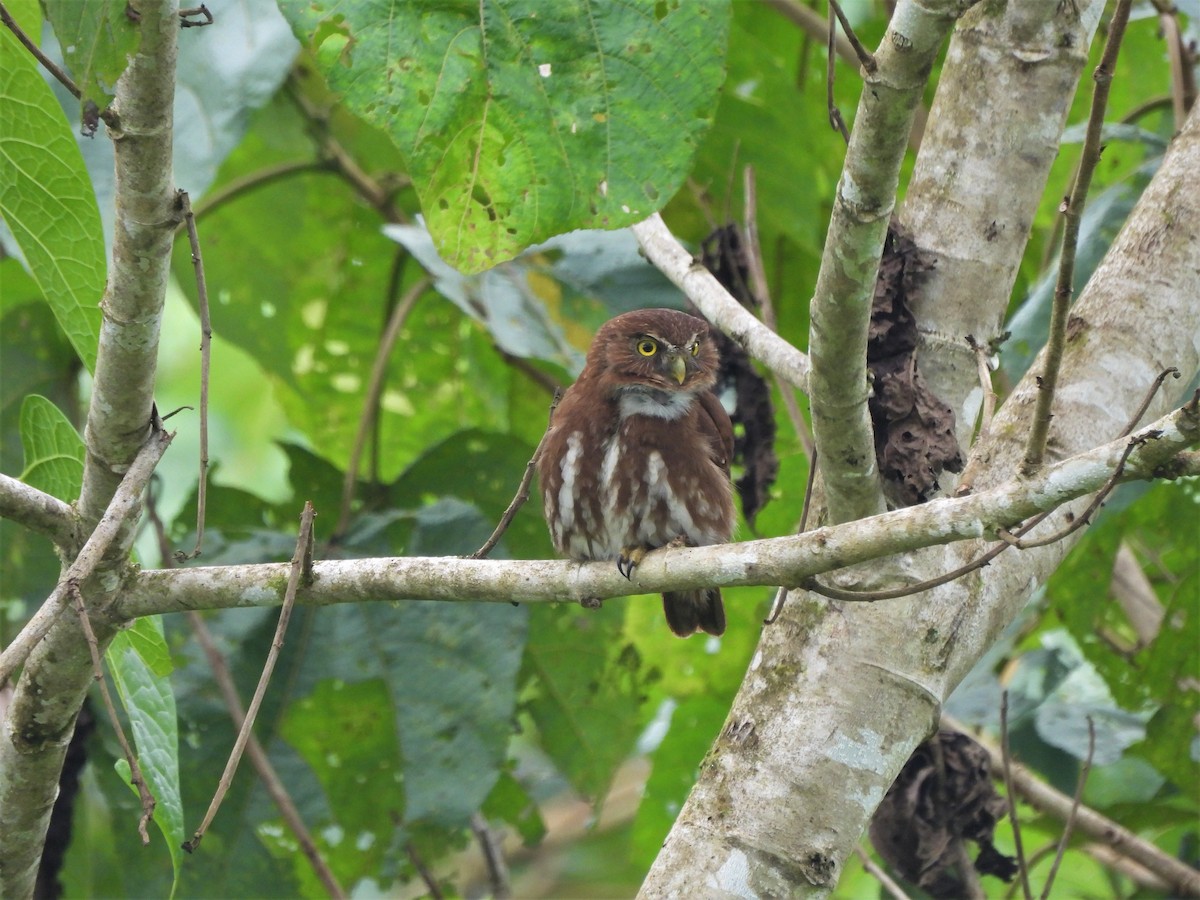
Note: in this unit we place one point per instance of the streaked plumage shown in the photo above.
(638, 454)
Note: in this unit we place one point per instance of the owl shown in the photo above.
(638, 451)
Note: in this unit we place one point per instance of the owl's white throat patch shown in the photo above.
(667, 405)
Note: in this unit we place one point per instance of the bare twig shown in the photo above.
(254, 180)
(1072, 211)
(836, 122)
(124, 502)
(985, 385)
(522, 490)
(812, 23)
(762, 293)
(259, 759)
(370, 412)
(781, 594)
(885, 880)
(189, 220)
(1182, 59)
(427, 876)
(187, 17)
(493, 857)
(300, 561)
(1181, 878)
(1006, 759)
(136, 778)
(47, 63)
(1070, 823)
(865, 58)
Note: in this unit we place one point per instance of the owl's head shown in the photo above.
(654, 351)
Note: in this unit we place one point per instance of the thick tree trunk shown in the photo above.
(836, 699)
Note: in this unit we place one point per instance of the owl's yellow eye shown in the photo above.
(647, 347)
(696, 349)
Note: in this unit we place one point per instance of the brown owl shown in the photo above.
(638, 454)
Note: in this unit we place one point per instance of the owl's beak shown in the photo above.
(679, 368)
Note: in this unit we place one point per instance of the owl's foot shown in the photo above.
(680, 540)
(630, 559)
(590, 602)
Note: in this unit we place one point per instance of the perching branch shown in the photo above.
(775, 561)
(841, 307)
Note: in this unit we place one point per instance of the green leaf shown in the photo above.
(346, 732)
(98, 38)
(586, 693)
(510, 802)
(46, 199)
(520, 119)
(54, 452)
(150, 705)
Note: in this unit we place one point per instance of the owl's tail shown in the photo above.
(692, 611)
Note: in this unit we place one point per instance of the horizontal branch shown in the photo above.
(774, 561)
(37, 510)
(717, 305)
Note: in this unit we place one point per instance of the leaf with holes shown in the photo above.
(521, 119)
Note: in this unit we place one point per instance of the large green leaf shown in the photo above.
(46, 199)
(98, 38)
(54, 452)
(586, 690)
(150, 704)
(520, 118)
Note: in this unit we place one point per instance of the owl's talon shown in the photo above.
(630, 559)
(590, 602)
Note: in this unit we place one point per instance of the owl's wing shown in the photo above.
(714, 423)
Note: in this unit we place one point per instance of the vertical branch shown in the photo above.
(841, 306)
(1006, 757)
(1072, 210)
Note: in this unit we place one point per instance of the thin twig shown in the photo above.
(865, 58)
(187, 17)
(125, 501)
(47, 63)
(781, 594)
(985, 384)
(885, 880)
(1006, 757)
(300, 561)
(493, 857)
(1072, 211)
(136, 778)
(1182, 59)
(189, 220)
(1181, 878)
(812, 23)
(1070, 823)
(254, 180)
(522, 494)
(424, 871)
(259, 759)
(762, 293)
(836, 122)
(370, 414)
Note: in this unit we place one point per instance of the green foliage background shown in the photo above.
(392, 724)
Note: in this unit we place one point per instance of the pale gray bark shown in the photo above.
(840, 312)
(836, 700)
(785, 560)
(40, 720)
